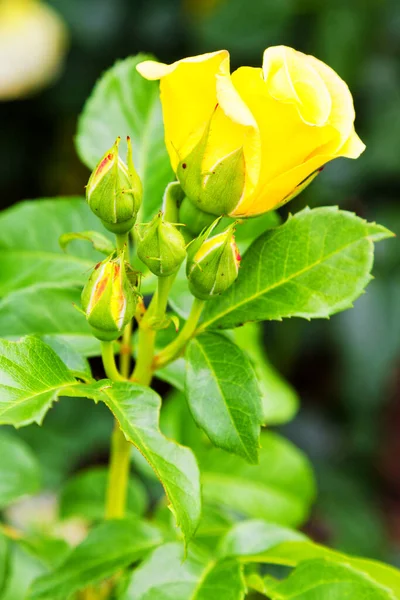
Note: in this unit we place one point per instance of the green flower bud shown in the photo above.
(161, 246)
(219, 190)
(114, 191)
(195, 219)
(213, 263)
(108, 299)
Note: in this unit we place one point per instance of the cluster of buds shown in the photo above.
(114, 194)
(213, 263)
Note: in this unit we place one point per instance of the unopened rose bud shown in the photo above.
(195, 219)
(108, 299)
(213, 264)
(218, 190)
(161, 246)
(114, 191)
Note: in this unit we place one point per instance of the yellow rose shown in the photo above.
(246, 143)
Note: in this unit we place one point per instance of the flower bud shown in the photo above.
(108, 299)
(114, 191)
(194, 218)
(217, 191)
(161, 246)
(213, 264)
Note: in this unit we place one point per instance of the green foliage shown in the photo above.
(223, 394)
(279, 489)
(316, 566)
(137, 410)
(33, 377)
(19, 470)
(83, 496)
(279, 400)
(29, 246)
(4, 562)
(168, 575)
(125, 104)
(108, 548)
(278, 278)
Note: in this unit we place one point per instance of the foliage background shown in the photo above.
(345, 370)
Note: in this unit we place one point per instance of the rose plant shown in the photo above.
(194, 257)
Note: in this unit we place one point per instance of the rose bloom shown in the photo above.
(245, 143)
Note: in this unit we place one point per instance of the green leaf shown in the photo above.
(313, 266)
(279, 399)
(124, 103)
(32, 376)
(320, 579)
(223, 394)
(4, 562)
(250, 539)
(19, 471)
(108, 548)
(249, 229)
(99, 241)
(84, 495)
(137, 409)
(76, 363)
(22, 570)
(50, 551)
(223, 580)
(279, 489)
(29, 247)
(257, 542)
(35, 310)
(168, 575)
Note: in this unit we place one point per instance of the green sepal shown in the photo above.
(172, 200)
(213, 263)
(217, 191)
(99, 241)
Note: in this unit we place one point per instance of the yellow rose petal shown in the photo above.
(342, 113)
(188, 97)
(353, 146)
(292, 79)
(286, 141)
(281, 188)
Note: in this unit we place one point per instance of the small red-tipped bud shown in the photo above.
(108, 299)
(114, 191)
(213, 263)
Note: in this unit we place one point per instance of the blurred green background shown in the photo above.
(345, 370)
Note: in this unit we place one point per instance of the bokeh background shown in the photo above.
(345, 370)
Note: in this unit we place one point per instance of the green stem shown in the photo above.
(118, 475)
(110, 367)
(123, 243)
(126, 351)
(120, 448)
(164, 285)
(174, 349)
